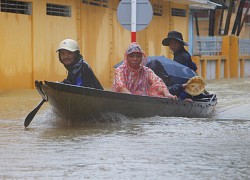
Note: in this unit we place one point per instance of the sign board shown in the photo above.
(144, 14)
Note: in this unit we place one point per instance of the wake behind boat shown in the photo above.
(77, 104)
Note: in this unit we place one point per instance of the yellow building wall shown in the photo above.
(15, 51)
(245, 32)
(28, 43)
(96, 39)
(48, 32)
(180, 23)
(157, 31)
(177, 23)
(120, 40)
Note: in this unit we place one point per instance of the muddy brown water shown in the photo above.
(125, 148)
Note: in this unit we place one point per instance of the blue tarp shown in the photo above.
(177, 72)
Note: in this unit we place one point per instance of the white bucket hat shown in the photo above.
(69, 44)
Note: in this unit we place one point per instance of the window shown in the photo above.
(178, 12)
(15, 7)
(157, 7)
(58, 10)
(101, 3)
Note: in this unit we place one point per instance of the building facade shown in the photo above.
(31, 31)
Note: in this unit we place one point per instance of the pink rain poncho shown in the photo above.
(142, 81)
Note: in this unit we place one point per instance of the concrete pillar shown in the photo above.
(230, 49)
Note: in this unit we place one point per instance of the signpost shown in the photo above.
(134, 15)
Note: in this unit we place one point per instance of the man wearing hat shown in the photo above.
(176, 45)
(79, 72)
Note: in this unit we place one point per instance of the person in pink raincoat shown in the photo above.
(134, 77)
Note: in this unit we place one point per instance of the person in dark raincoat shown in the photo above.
(79, 72)
(176, 44)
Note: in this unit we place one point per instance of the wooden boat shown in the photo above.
(76, 103)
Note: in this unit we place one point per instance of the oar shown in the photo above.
(31, 115)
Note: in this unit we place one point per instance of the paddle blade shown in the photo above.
(31, 115)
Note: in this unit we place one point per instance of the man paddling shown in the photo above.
(79, 72)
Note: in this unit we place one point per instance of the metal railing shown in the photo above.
(207, 46)
(212, 45)
(244, 47)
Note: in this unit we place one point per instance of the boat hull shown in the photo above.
(75, 103)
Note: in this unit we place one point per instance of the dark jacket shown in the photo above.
(159, 70)
(184, 58)
(174, 89)
(177, 89)
(81, 74)
(157, 67)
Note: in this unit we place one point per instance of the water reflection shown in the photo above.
(124, 148)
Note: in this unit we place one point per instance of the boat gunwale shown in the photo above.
(73, 89)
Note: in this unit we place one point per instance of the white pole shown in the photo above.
(133, 20)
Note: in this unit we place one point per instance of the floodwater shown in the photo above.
(121, 148)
